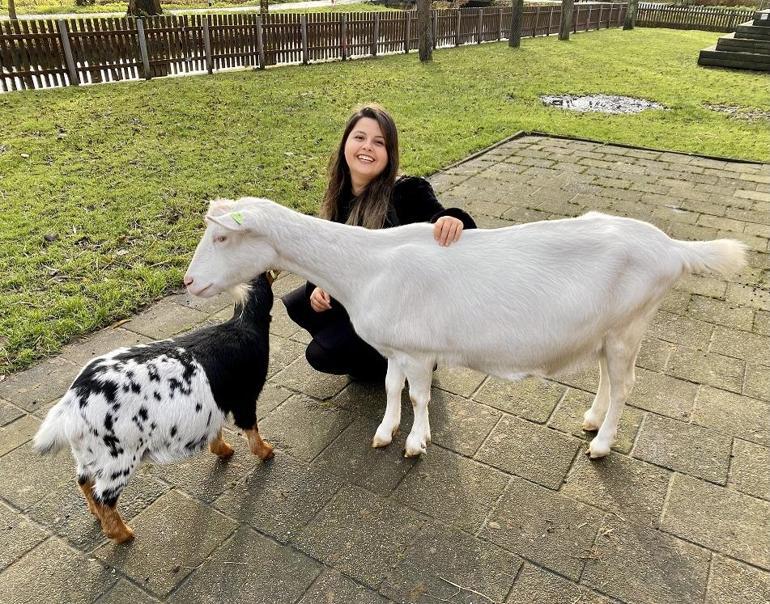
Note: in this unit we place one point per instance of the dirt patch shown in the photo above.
(601, 103)
(740, 113)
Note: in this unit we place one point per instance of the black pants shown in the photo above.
(336, 348)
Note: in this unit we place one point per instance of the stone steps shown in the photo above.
(747, 48)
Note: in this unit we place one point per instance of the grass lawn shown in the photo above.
(103, 188)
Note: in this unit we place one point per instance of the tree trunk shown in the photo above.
(12, 9)
(263, 8)
(517, 18)
(140, 8)
(424, 30)
(567, 7)
(630, 21)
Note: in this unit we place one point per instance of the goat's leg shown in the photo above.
(594, 417)
(260, 448)
(394, 384)
(112, 524)
(621, 356)
(109, 484)
(220, 448)
(420, 376)
(86, 485)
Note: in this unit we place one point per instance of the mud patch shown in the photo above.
(601, 103)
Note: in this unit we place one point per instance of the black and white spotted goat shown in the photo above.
(164, 401)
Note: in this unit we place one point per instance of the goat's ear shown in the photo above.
(234, 221)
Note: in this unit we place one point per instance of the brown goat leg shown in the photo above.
(260, 448)
(112, 524)
(220, 448)
(87, 487)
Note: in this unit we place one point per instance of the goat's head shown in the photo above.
(232, 250)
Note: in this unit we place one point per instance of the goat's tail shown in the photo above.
(722, 256)
(52, 434)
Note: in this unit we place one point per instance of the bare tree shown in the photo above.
(139, 8)
(630, 21)
(12, 9)
(424, 30)
(517, 17)
(567, 7)
(263, 8)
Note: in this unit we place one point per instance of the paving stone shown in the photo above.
(721, 313)
(742, 345)
(17, 433)
(369, 399)
(209, 306)
(543, 526)
(458, 380)
(284, 352)
(537, 586)
(52, 572)
(663, 394)
(442, 561)
(734, 583)
(459, 424)
(332, 587)
(703, 286)
(530, 451)
(676, 301)
(18, 535)
(353, 457)
(126, 593)
(587, 379)
(39, 477)
(627, 487)
(40, 384)
(101, 342)
(757, 383)
(452, 489)
(205, 476)
(532, 399)
(360, 534)
(304, 427)
(270, 398)
(173, 536)
(707, 368)
(745, 295)
(280, 497)
(721, 519)
(639, 564)
(250, 568)
(733, 414)
(684, 448)
(681, 330)
(569, 418)
(65, 513)
(300, 376)
(762, 322)
(654, 354)
(748, 471)
(9, 413)
(165, 319)
(281, 325)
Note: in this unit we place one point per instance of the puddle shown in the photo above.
(601, 103)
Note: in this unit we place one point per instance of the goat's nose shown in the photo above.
(188, 280)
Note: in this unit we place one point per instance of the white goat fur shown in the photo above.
(533, 299)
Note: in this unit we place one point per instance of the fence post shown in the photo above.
(588, 18)
(457, 28)
(480, 25)
(143, 47)
(500, 23)
(68, 58)
(260, 43)
(537, 21)
(408, 31)
(303, 20)
(207, 44)
(376, 34)
(434, 25)
(344, 33)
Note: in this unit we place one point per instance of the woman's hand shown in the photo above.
(447, 230)
(320, 300)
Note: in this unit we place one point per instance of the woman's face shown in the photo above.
(365, 152)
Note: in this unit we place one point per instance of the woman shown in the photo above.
(363, 190)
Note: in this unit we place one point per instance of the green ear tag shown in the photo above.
(238, 217)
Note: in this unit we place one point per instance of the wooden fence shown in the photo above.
(691, 17)
(52, 53)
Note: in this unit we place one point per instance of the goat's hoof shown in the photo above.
(382, 438)
(597, 450)
(222, 450)
(590, 424)
(415, 450)
(265, 453)
(122, 536)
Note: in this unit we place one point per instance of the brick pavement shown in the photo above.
(504, 508)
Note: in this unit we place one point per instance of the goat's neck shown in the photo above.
(338, 258)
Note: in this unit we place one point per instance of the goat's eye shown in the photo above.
(220, 238)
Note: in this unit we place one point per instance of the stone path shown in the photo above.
(505, 507)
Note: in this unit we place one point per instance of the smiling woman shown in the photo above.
(363, 190)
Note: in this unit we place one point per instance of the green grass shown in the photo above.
(118, 175)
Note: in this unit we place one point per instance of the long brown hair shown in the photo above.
(370, 208)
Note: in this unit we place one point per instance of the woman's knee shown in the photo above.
(324, 360)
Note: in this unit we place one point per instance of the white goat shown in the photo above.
(533, 299)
